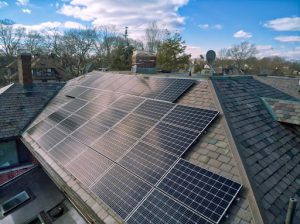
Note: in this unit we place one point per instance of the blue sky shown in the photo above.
(272, 25)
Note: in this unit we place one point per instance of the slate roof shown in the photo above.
(20, 106)
(270, 150)
(283, 110)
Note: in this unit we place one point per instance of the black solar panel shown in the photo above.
(148, 162)
(90, 110)
(199, 189)
(135, 125)
(39, 129)
(74, 105)
(158, 208)
(71, 123)
(109, 117)
(113, 144)
(153, 109)
(88, 166)
(76, 91)
(127, 103)
(51, 138)
(89, 132)
(173, 139)
(67, 150)
(190, 117)
(121, 190)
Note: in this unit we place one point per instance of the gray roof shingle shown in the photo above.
(270, 150)
(19, 106)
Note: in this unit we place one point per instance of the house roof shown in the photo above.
(270, 150)
(19, 106)
(286, 111)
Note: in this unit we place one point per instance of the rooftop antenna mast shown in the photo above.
(211, 57)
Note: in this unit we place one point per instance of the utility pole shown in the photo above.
(126, 35)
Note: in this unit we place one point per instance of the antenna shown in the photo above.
(211, 57)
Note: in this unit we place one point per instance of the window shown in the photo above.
(14, 202)
(8, 154)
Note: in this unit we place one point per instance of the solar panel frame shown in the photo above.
(57, 116)
(109, 117)
(39, 129)
(203, 191)
(74, 105)
(71, 123)
(90, 94)
(51, 138)
(127, 103)
(90, 110)
(76, 91)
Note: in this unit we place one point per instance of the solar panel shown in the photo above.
(175, 140)
(109, 117)
(57, 117)
(90, 110)
(201, 190)
(190, 117)
(51, 138)
(71, 123)
(158, 208)
(88, 166)
(74, 105)
(113, 144)
(89, 132)
(153, 109)
(135, 125)
(121, 190)
(89, 94)
(148, 162)
(76, 91)
(67, 150)
(127, 103)
(106, 98)
(39, 129)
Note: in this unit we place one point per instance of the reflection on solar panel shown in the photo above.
(88, 166)
(106, 98)
(193, 118)
(67, 150)
(113, 144)
(57, 116)
(121, 190)
(148, 162)
(71, 123)
(74, 105)
(199, 189)
(89, 94)
(76, 91)
(127, 103)
(109, 117)
(89, 132)
(173, 139)
(135, 125)
(39, 129)
(90, 110)
(51, 138)
(158, 208)
(153, 109)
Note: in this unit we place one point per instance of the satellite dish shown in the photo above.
(210, 56)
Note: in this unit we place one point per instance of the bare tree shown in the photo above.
(10, 37)
(240, 52)
(35, 42)
(223, 54)
(154, 36)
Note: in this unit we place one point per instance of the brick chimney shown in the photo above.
(24, 69)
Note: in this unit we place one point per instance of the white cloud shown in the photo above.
(3, 4)
(195, 51)
(207, 26)
(269, 51)
(242, 34)
(284, 24)
(288, 38)
(73, 25)
(22, 2)
(136, 15)
(204, 26)
(264, 47)
(26, 11)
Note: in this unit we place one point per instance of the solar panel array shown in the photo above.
(167, 89)
(127, 150)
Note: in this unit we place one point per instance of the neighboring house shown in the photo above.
(80, 136)
(44, 68)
